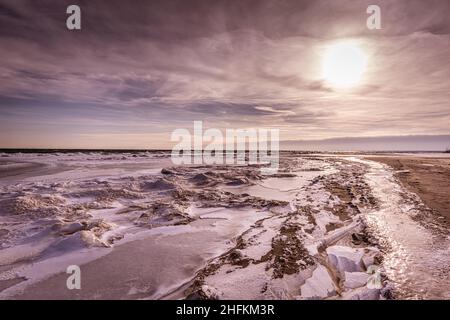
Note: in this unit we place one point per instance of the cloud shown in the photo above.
(164, 64)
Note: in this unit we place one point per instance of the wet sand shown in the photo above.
(429, 178)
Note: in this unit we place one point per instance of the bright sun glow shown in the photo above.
(344, 64)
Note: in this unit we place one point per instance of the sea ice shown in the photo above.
(346, 258)
(319, 285)
(355, 279)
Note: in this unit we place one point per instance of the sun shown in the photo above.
(344, 64)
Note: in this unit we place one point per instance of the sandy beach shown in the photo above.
(428, 177)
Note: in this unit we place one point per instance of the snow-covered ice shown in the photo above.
(212, 232)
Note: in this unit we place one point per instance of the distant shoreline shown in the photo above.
(68, 150)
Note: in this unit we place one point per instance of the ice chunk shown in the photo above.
(160, 184)
(366, 294)
(346, 258)
(206, 292)
(355, 279)
(371, 255)
(78, 240)
(211, 292)
(72, 228)
(319, 285)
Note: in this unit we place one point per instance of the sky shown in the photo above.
(137, 70)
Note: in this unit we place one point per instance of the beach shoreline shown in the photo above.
(428, 177)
